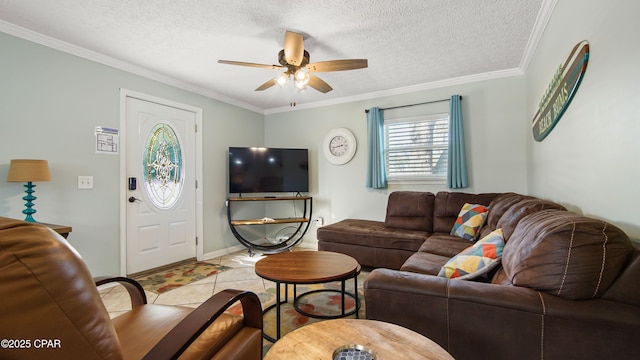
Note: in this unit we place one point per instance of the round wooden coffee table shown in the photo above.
(308, 267)
(318, 341)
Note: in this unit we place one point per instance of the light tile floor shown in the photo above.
(241, 276)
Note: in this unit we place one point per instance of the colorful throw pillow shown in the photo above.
(469, 221)
(476, 260)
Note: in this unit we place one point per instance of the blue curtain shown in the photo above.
(457, 169)
(376, 172)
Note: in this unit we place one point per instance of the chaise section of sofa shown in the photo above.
(408, 223)
(370, 242)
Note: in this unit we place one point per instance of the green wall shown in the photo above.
(494, 124)
(50, 104)
(589, 162)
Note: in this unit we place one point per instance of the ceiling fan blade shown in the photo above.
(266, 85)
(293, 48)
(263, 66)
(319, 84)
(338, 65)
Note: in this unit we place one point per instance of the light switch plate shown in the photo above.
(85, 182)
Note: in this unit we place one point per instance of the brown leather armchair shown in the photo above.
(50, 308)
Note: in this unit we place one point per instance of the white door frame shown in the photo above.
(124, 94)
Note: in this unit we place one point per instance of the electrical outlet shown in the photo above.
(85, 182)
(319, 222)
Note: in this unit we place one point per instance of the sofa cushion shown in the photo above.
(447, 205)
(410, 210)
(498, 206)
(470, 219)
(444, 245)
(500, 277)
(519, 210)
(424, 263)
(626, 288)
(476, 260)
(565, 254)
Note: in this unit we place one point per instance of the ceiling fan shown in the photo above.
(295, 59)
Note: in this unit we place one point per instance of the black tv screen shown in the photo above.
(263, 170)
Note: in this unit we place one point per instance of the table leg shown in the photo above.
(355, 293)
(278, 309)
(343, 291)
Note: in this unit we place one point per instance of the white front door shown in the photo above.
(161, 184)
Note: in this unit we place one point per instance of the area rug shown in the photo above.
(320, 303)
(323, 303)
(166, 280)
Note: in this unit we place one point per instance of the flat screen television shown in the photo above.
(266, 170)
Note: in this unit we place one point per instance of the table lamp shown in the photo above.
(22, 170)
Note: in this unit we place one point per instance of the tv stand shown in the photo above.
(301, 228)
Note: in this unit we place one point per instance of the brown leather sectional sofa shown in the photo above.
(568, 286)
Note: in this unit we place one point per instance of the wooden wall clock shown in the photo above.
(339, 146)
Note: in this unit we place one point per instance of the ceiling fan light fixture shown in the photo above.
(301, 79)
(300, 85)
(301, 75)
(294, 60)
(282, 79)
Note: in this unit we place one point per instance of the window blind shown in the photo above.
(416, 147)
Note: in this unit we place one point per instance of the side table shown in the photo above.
(308, 267)
(319, 340)
(63, 230)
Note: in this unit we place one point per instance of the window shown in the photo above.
(416, 148)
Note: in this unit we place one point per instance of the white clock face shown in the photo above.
(338, 146)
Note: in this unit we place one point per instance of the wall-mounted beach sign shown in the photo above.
(560, 92)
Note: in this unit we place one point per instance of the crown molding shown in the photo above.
(66, 47)
(542, 20)
(404, 90)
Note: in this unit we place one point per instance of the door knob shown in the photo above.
(134, 199)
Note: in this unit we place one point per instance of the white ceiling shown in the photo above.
(410, 44)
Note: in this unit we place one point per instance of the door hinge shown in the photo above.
(196, 126)
(196, 240)
(196, 184)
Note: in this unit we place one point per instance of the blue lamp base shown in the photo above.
(29, 211)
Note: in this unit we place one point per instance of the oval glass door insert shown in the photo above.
(162, 166)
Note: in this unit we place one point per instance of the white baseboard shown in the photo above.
(225, 251)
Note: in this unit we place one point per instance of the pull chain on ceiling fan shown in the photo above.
(295, 60)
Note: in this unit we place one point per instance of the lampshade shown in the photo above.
(24, 170)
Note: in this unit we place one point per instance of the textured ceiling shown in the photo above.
(408, 43)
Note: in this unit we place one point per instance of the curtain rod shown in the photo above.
(423, 103)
